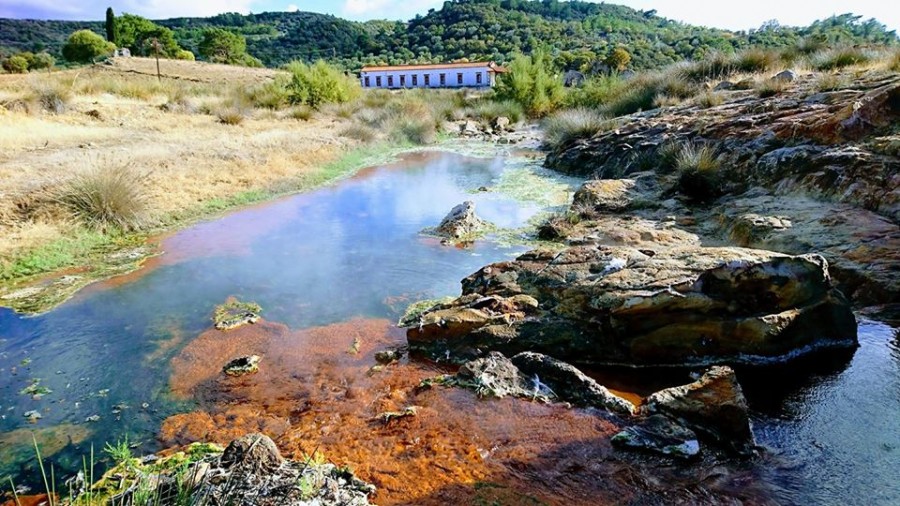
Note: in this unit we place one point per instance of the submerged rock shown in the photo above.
(537, 376)
(713, 405)
(462, 223)
(616, 304)
(242, 365)
(234, 313)
(659, 434)
(253, 453)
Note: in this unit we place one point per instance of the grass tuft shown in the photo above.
(698, 169)
(107, 197)
(766, 88)
(359, 132)
(709, 99)
(565, 127)
(51, 96)
(231, 116)
(841, 57)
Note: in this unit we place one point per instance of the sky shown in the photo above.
(715, 13)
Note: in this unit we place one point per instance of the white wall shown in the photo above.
(469, 79)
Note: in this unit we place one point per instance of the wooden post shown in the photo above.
(155, 45)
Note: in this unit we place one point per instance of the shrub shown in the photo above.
(86, 46)
(596, 91)
(320, 83)
(418, 131)
(766, 88)
(532, 82)
(184, 54)
(831, 82)
(42, 61)
(231, 116)
(894, 61)
(698, 170)
(110, 196)
(709, 99)
(16, 64)
(839, 58)
(490, 110)
(359, 132)
(301, 113)
(756, 60)
(273, 94)
(640, 93)
(52, 96)
(663, 100)
(715, 65)
(567, 126)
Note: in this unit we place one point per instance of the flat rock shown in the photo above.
(659, 434)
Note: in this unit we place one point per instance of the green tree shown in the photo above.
(618, 59)
(137, 33)
(533, 82)
(110, 25)
(42, 61)
(222, 46)
(16, 64)
(86, 46)
(320, 83)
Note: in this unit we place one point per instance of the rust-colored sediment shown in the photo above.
(27, 500)
(316, 391)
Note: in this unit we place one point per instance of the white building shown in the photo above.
(441, 75)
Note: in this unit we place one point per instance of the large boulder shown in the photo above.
(253, 453)
(714, 405)
(617, 304)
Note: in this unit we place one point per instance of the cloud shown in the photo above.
(94, 9)
(292, 8)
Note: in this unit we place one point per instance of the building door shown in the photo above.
(443, 79)
(378, 81)
(390, 81)
(403, 81)
(427, 79)
(415, 79)
(478, 78)
(367, 82)
(459, 79)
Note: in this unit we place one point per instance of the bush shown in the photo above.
(41, 61)
(893, 63)
(710, 99)
(565, 127)
(270, 95)
(16, 64)
(766, 88)
(320, 83)
(715, 65)
(532, 82)
(756, 60)
(301, 113)
(184, 54)
(52, 96)
(231, 116)
(413, 130)
(698, 170)
(86, 46)
(596, 91)
(490, 110)
(831, 82)
(359, 132)
(839, 58)
(107, 197)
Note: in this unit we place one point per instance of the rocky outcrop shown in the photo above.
(803, 171)
(615, 305)
(242, 365)
(462, 224)
(713, 405)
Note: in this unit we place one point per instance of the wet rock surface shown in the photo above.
(659, 434)
(462, 224)
(677, 306)
(713, 405)
(242, 365)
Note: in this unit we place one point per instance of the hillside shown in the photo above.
(482, 29)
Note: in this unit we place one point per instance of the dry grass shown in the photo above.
(709, 99)
(191, 163)
(698, 169)
(107, 196)
(567, 126)
(766, 88)
(359, 132)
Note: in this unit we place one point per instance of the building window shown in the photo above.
(427, 79)
(378, 81)
(443, 79)
(390, 81)
(403, 81)
(459, 78)
(478, 77)
(367, 82)
(415, 80)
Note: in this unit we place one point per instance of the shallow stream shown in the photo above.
(354, 252)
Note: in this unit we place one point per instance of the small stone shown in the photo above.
(242, 365)
(388, 356)
(786, 76)
(92, 419)
(659, 434)
(33, 416)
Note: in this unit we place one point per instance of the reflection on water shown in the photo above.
(352, 253)
(352, 249)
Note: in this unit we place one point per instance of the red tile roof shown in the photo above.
(490, 65)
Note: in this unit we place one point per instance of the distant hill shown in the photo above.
(474, 29)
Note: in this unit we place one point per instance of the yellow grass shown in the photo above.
(189, 159)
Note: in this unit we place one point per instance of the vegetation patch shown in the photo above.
(107, 197)
(565, 127)
(698, 170)
(234, 313)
